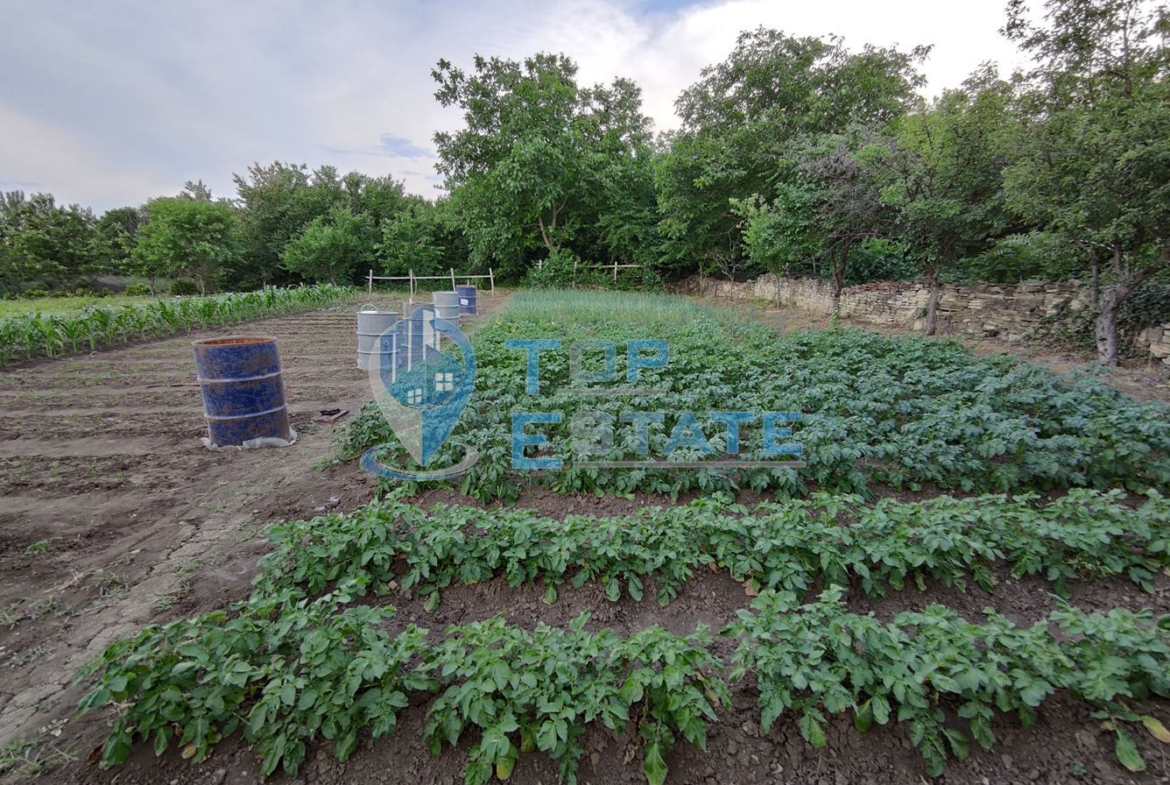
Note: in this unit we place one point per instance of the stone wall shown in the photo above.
(1008, 312)
(1158, 340)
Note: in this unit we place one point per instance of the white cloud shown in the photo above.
(112, 104)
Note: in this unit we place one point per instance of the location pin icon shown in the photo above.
(421, 391)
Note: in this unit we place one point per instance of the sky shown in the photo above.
(110, 104)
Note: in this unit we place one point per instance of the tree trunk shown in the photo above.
(1095, 284)
(932, 302)
(1107, 325)
(837, 264)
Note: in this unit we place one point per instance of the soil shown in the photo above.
(115, 516)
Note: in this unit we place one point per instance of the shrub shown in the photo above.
(35, 294)
(183, 288)
(137, 290)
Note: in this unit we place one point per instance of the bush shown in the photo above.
(137, 290)
(35, 294)
(564, 270)
(183, 288)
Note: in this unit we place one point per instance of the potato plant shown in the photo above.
(818, 660)
(903, 412)
(783, 546)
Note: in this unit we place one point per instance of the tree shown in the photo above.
(117, 234)
(426, 238)
(1095, 148)
(539, 157)
(741, 117)
(278, 201)
(188, 237)
(947, 177)
(45, 242)
(828, 204)
(330, 247)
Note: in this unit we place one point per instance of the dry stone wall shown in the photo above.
(1009, 312)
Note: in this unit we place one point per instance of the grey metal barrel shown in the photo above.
(446, 305)
(371, 323)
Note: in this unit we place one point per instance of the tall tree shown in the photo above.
(187, 237)
(828, 204)
(539, 156)
(1095, 152)
(116, 235)
(947, 177)
(742, 115)
(45, 242)
(331, 247)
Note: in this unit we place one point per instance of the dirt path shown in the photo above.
(111, 504)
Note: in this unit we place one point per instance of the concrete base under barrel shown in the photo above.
(243, 394)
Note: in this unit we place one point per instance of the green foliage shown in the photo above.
(188, 237)
(1094, 153)
(285, 670)
(903, 412)
(184, 288)
(44, 243)
(51, 335)
(544, 163)
(742, 118)
(783, 546)
(933, 668)
(284, 673)
(137, 290)
(538, 691)
(331, 247)
(424, 237)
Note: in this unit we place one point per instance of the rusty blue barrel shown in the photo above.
(467, 304)
(243, 396)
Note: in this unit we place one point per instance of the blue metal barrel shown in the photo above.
(466, 296)
(243, 397)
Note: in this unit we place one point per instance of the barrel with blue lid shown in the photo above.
(467, 296)
(243, 395)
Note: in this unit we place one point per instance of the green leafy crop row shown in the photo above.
(817, 660)
(38, 335)
(901, 412)
(1086, 534)
(286, 672)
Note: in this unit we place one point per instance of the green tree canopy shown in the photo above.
(740, 118)
(187, 237)
(331, 247)
(541, 158)
(1094, 158)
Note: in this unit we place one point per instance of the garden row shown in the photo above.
(49, 335)
(287, 672)
(783, 546)
(900, 412)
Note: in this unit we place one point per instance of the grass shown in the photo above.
(66, 306)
